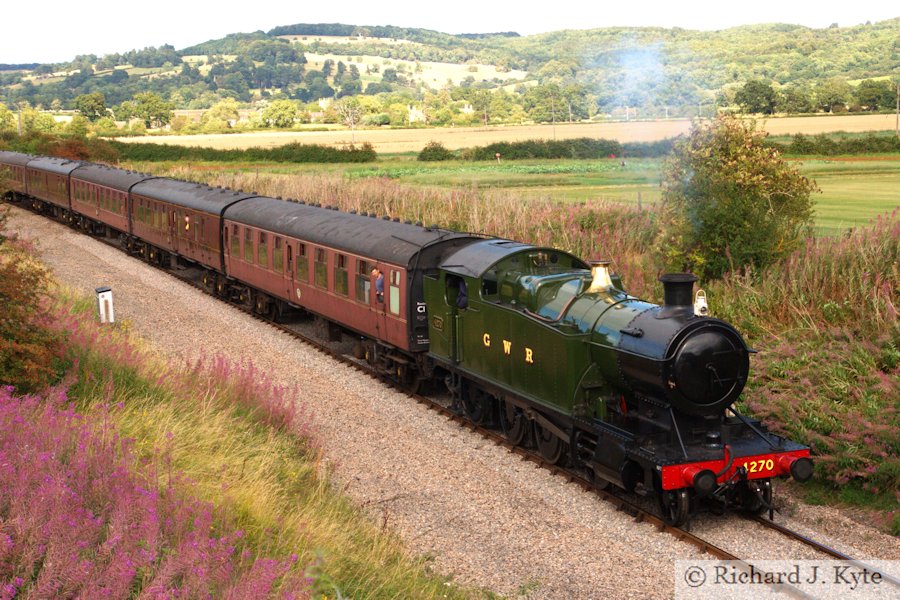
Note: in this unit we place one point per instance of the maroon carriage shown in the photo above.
(321, 259)
(47, 179)
(12, 172)
(179, 219)
(100, 197)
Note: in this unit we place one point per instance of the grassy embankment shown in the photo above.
(196, 480)
(828, 373)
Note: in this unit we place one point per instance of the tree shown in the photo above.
(351, 114)
(221, 115)
(728, 201)
(481, 104)
(34, 120)
(757, 97)
(92, 106)
(152, 109)
(793, 100)
(832, 94)
(280, 113)
(875, 94)
(7, 119)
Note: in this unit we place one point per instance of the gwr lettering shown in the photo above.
(507, 348)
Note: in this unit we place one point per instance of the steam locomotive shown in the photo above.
(533, 341)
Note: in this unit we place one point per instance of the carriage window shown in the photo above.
(341, 282)
(248, 245)
(302, 264)
(395, 292)
(321, 268)
(235, 241)
(278, 256)
(363, 281)
(263, 250)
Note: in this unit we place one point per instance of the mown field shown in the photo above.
(854, 190)
(413, 140)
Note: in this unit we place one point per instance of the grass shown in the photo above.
(854, 190)
(229, 452)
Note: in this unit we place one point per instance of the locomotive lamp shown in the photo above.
(701, 308)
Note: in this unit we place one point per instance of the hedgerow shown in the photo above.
(576, 148)
(289, 153)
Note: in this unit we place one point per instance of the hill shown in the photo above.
(562, 75)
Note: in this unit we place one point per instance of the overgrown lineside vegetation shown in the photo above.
(198, 481)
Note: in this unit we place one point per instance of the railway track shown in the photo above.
(192, 276)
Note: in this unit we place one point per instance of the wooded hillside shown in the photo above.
(559, 76)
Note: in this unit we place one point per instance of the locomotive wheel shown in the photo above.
(756, 496)
(552, 448)
(478, 406)
(675, 506)
(513, 423)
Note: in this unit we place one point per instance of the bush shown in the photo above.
(435, 151)
(729, 202)
(30, 352)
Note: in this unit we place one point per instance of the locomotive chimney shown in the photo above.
(678, 291)
(601, 281)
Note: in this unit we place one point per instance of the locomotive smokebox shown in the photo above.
(697, 364)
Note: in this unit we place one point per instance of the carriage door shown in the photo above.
(289, 276)
(171, 233)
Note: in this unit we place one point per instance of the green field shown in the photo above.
(853, 190)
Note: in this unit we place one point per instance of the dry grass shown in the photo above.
(413, 140)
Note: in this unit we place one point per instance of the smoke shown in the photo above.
(630, 73)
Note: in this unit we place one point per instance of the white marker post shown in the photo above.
(105, 305)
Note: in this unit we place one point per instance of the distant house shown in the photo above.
(416, 115)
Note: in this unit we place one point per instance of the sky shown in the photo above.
(54, 31)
